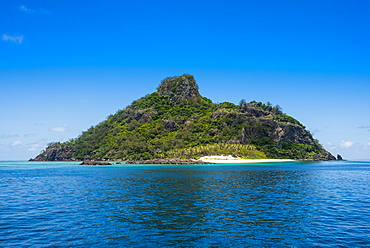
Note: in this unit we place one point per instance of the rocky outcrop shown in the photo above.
(325, 155)
(56, 152)
(254, 112)
(179, 89)
(170, 125)
(139, 114)
(92, 162)
(280, 133)
(287, 132)
(294, 133)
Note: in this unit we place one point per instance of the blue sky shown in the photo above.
(67, 65)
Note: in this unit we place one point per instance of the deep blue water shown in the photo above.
(63, 204)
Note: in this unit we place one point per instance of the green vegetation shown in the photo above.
(289, 119)
(177, 122)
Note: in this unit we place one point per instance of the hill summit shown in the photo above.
(177, 122)
(179, 89)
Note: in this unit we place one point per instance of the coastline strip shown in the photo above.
(232, 160)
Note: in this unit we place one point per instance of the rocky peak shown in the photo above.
(179, 89)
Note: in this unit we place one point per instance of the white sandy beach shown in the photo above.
(233, 160)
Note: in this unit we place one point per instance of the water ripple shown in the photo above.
(63, 204)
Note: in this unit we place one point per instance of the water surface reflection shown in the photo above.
(188, 206)
(58, 204)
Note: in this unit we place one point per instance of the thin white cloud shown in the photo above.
(364, 127)
(38, 11)
(33, 147)
(20, 145)
(351, 149)
(346, 144)
(29, 135)
(17, 143)
(17, 39)
(38, 124)
(28, 10)
(59, 129)
(8, 135)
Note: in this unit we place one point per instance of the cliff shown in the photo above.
(56, 152)
(177, 122)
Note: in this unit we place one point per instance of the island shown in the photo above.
(177, 123)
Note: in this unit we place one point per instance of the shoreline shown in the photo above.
(202, 160)
(233, 160)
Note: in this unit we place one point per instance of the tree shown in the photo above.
(278, 108)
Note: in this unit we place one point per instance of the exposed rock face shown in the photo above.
(170, 125)
(339, 157)
(139, 114)
(278, 132)
(326, 155)
(283, 133)
(179, 89)
(56, 152)
(287, 132)
(94, 163)
(253, 112)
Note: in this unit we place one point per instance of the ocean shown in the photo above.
(293, 204)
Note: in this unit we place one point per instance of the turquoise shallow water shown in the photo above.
(63, 204)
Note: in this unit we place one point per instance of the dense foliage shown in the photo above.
(176, 121)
